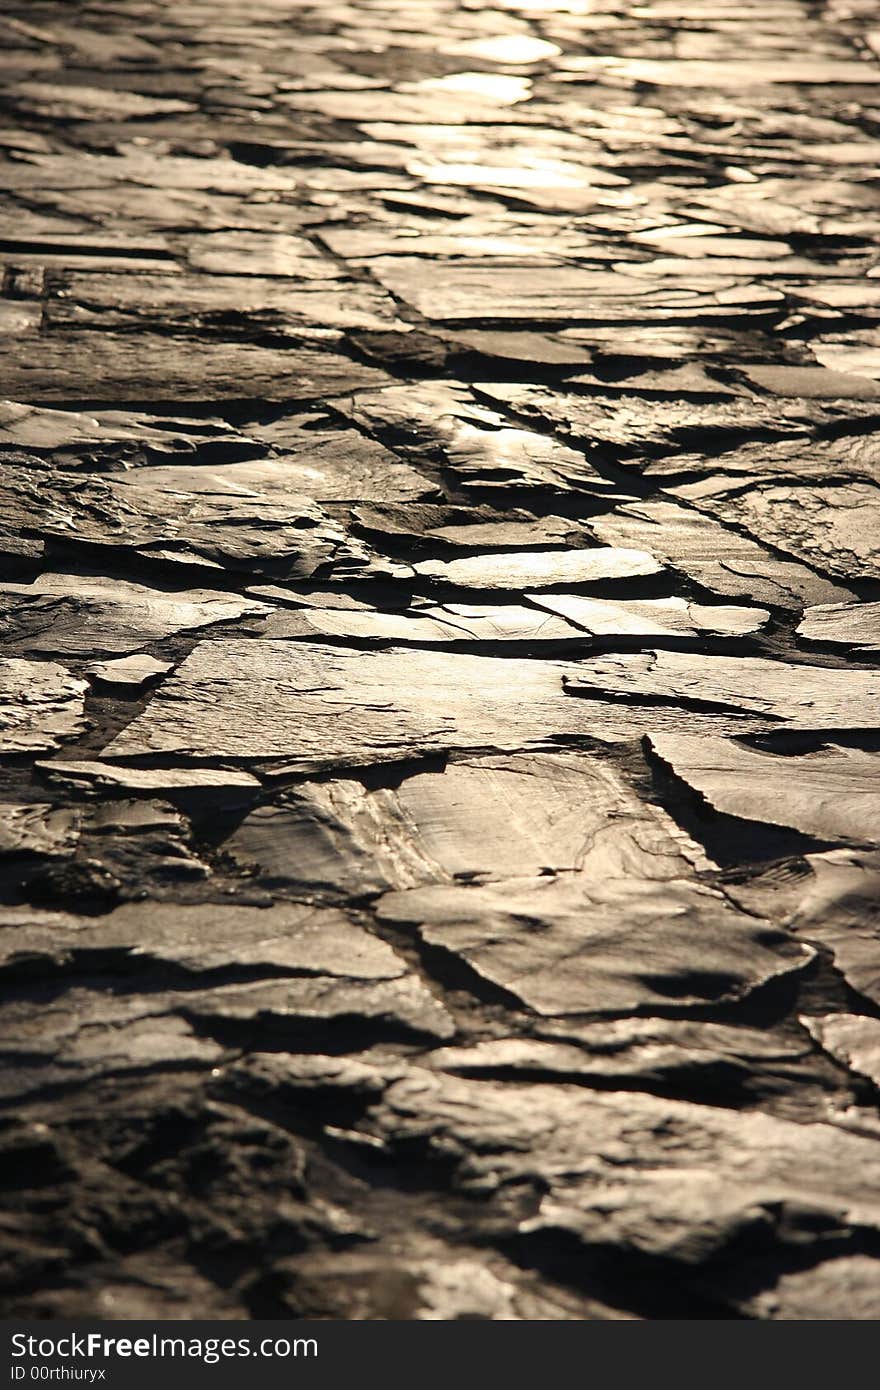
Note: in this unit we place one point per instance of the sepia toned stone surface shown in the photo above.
(75, 615)
(832, 793)
(855, 625)
(439, 706)
(41, 704)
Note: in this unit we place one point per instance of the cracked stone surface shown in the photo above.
(439, 705)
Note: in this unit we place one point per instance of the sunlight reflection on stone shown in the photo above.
(509, 48)
(440, 697)
(544, 173)
(491, 85)
(572, 7)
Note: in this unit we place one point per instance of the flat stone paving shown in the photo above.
(439, 702)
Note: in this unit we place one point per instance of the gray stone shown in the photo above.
(716, 556)
(784, 694)
(37, 829)
(542, 569)
(844, 625)
(838, 910)
(130, 671)
(833, 794)
(103, 777)
(316, 706)
(852, 1039)
(41, 705)
(600, 946)
(830, 526)
(77, 615)
(651, 618)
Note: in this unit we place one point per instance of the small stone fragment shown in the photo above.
(132, 671)
(41, 704)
